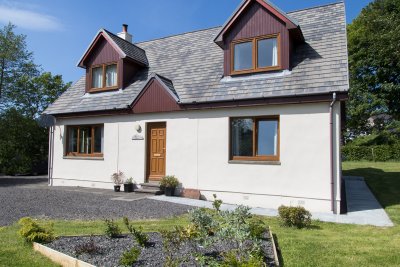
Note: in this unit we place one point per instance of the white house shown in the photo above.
(250, 110)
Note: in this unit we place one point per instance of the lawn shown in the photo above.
(326, 244)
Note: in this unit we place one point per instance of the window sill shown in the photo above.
(254, 162)
(105, 89)
(83, 158)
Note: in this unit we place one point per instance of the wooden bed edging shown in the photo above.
(60, 258)
(274, 247)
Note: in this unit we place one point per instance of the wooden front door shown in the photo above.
(156, 149)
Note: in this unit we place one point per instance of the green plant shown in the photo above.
(130, 181)
(130, 257)
(118, 178)
(371, 153)
(88, 247)
(257, 228)
(112, 229)
(217, 203)
(233, 258)
(141, 238)
(31, 231)
(169, 181)
(294, 216)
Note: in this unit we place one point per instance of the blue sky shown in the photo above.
(58, 32)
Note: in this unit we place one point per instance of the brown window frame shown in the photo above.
(255, 157)
(255, 67)
(76, 153)
(103, 88)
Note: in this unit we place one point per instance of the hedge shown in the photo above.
(371, 153)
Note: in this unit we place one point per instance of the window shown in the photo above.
(255, 54)
(255, 138)
(86, 140)
(104, 77)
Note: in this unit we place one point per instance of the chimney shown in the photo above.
(124, 34)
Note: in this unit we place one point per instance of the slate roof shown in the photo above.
(131, 50)
(193, 63)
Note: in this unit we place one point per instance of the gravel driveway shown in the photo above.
(30, 196)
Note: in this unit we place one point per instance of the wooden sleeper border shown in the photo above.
(60, 258)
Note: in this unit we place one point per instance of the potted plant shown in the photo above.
(169, 183)
(129, 185)
(118, 179)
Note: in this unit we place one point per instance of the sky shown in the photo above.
(59, 32)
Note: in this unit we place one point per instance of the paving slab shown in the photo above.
(363, 208)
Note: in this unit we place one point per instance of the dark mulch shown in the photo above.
(110, 250)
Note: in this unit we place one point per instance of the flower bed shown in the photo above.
(110, 250)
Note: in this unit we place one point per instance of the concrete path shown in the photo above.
(363, 208)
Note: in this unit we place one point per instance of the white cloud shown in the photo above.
(28, 19)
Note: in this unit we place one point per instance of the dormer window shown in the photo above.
(104, 77)
(255, 54)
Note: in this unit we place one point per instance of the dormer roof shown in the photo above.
(124, 48)
(291, 23)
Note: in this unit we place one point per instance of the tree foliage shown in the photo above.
(374, 59)
(13, 57)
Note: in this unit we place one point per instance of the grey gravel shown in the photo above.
(110, 250)
(32, 198)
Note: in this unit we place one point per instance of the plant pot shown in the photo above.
(128, 188)
(169, 191)
(117, 188)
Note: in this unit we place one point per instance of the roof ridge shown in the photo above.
(108, 32)
(178, 34)
(319, 6)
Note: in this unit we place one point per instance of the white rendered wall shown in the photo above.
(198, 154)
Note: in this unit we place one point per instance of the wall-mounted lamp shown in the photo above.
(138, 128)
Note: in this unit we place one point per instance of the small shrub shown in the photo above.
(112, 230)
(130, 181)
(169, 181)
(233, 258)
(88, 247)
(217, 203)
(141, 238)
(31, 231)
(130, 257)
(257, 228)
(294, 216)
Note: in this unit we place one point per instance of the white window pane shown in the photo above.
(111, 75)
(267, 138)
(242, 137)
(85, 140)
(243, 56)
(97, 77)
(267, 53)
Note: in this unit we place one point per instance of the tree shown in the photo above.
(25, 92)
(374, 60)
(13, 57)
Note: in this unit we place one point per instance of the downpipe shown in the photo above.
(331, 151)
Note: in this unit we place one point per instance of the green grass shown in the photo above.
(326, 244)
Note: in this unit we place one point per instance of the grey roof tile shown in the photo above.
(191, 66)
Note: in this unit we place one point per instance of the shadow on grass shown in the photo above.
(384, 185)
(278, 250)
